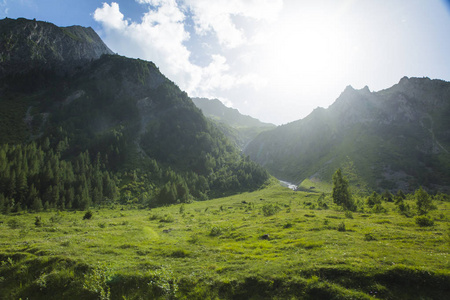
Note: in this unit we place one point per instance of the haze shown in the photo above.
(271, 59)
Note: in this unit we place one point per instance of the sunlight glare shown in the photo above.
(308, 50)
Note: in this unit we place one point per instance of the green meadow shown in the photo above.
(269, 244)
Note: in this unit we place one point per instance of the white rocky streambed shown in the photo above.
(288, 184)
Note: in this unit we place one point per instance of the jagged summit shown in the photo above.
(27, 44)
(397, 138)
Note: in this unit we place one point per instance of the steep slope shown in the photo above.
(122, 115)
(398, 138)
(26, 44)
(239, 128)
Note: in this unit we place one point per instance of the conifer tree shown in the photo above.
(341, 192)
(423, 201)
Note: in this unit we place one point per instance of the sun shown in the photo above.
(307, 50)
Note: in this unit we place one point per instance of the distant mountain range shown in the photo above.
(239, 128)
(63, 91)
(397, 138)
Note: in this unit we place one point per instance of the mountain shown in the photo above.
(92, 122)
(397, 138)
(25, 45)
(239, 128)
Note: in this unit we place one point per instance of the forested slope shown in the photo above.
(115, 119)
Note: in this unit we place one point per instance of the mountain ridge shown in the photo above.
(87, 116)
(239, 128)
(27, 44)
(397, 138)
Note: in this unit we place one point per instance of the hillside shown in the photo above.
(270, 244)
(397, 138)
(110, 121)
(239, 128)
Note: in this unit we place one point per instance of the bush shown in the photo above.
(14, 224)
(56, 217)
(270, 209)
(153, 217)
(403, 208)
(424, 221)
(215, 231)
(341, 226)
(38, 221)
(423, 201)
(179, 253)
(349, 214)
(378, 208)
(88, 215)
(168, 218)
(369, 237)
(287, 225)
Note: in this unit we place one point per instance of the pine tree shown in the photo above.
(341, 192)
(423, 201)
(37, 204)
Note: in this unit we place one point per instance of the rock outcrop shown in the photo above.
(27, 44)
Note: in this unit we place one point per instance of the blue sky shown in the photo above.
(272, 59)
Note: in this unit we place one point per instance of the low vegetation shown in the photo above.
(269, 244)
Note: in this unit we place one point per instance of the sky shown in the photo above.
(275, 60)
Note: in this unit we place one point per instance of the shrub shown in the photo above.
(14, 224)
(369, 237)
(403, 208)
(270, 209)
(153, 217)
(38, 221)
(423, 201)
(424, 221)
(349, 214)
(215, 231)
(341, 226)
(88, 215)
(378, 208)
(179, 253)
(96, 281)
(56, 217)
(194, 239)
(373, 199)
(168, 218)
(287, 225)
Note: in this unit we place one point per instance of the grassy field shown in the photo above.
(269, 244)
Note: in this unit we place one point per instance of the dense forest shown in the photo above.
(100, 130)
(36, 178)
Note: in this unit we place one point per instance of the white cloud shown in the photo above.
(111, 17)
(160, 37)
(4, 7)
(217, 16)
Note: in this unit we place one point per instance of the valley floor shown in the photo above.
(269, 244)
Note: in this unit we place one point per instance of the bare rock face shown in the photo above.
(27, 44)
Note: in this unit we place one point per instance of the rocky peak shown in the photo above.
(26, 44)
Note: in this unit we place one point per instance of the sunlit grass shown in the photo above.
(228, 240)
